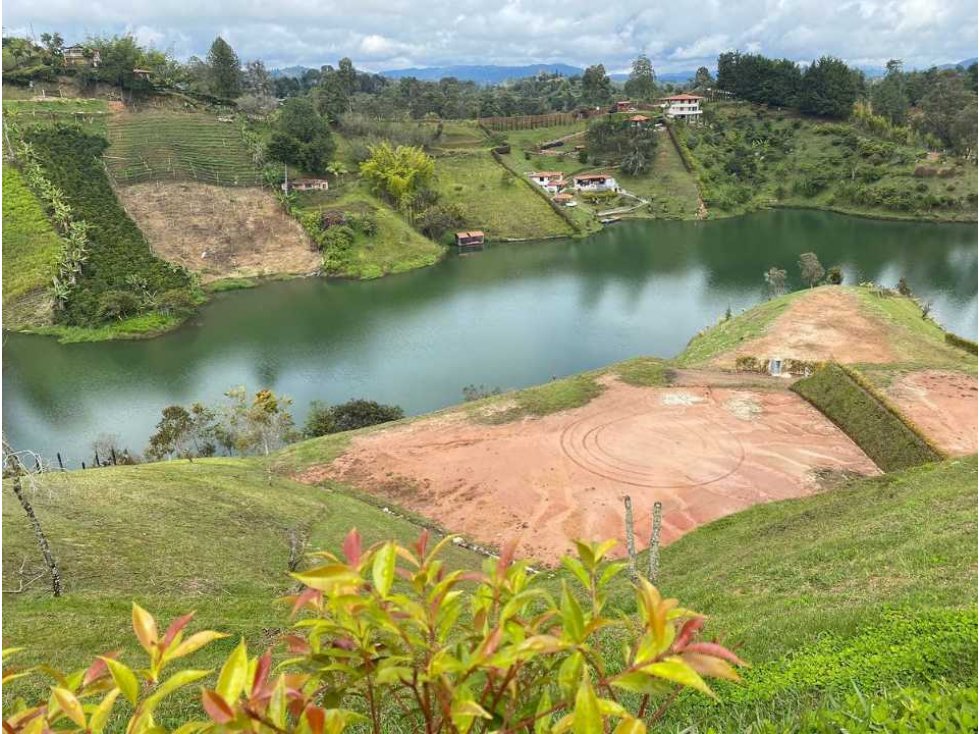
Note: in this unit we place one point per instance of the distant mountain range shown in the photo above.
(496, 74)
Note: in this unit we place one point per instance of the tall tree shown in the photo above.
(829, 88)
(942, 110)
(257, 79)
(224, 70)
(641, 84)
(889, 97)
(596, 87)
(302, 137)
(702, 79)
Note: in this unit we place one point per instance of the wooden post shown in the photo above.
(113, 456)
(60, 462)
(654, 542)
(630, 539)
(42, 540)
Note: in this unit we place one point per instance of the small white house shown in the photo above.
(306, 184)
(550, 181)
(683, 107)
(595, 182)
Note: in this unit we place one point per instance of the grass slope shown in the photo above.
(493, 200)
(212, 535)
(871, 583)
(30, 245)
(394, 248)
(714, 341)
(164, 144)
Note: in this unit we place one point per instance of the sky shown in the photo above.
(391, 34)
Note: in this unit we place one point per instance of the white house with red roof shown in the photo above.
(596, 182)
(550, 181)
(683, 107)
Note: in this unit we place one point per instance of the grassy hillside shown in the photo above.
(164, 144)
(30, 245)
(212, 535)
(748, 156)
(394, 246)
(89, 114)
(493, 200)
(872, 583)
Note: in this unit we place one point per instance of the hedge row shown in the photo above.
(957, 341)
(119, 259)
(848, 400)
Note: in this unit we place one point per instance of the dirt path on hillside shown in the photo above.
(704, 452)
(828, 324)
(944, 405)
(219, 231)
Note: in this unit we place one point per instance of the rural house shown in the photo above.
(306, 184)
(638, 120)
(595, 182)
(80, 56)
(550, 181)
(683, 107)
(626, 105)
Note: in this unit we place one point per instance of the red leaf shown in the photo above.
(351, 547)
(98, 668)
(261, 672)
(689, 629)
(296, 706)
(178, 624)
(305, 596)
(715, 650)
(506, 556)
(296, 644)
(422, 543)
(493, 641)
(216, 707)
(316, 718)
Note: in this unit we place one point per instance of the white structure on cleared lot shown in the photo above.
(595, 182)
(683, 107)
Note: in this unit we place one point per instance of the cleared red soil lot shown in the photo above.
(703, 452)
(944, 404)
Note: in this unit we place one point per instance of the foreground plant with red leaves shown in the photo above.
(388, 634)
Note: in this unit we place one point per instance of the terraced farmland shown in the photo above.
(165, 145)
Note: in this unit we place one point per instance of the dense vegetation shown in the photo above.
(121, 277)
(864, 416)
(746, 157)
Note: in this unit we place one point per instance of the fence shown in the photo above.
(531, 122)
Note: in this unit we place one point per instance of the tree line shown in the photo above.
(940, 103)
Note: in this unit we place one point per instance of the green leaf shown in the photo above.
(328, 577)
(383, 570)
(234, 674)
(543, 724)
(577, 569)
(101, 714)
(70, 705)
(124, 678)
(569, 673)
(630, 725)
(587, 717)
(171, 684)
(571, 616)
(674, 669)
(193, 643)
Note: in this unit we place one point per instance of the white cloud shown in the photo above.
(380, 34)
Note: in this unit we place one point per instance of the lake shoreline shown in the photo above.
(118, 332)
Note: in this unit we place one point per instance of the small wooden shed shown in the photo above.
(475, 238)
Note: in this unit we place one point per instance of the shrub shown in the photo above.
(117, 305)
(380, 637)
(349, 416)
(957, 341)
(176, 302)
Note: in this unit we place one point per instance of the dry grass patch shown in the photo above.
(219, 232)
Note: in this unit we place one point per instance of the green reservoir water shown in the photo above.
(509, 316)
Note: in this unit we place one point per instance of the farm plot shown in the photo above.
(166, 145)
